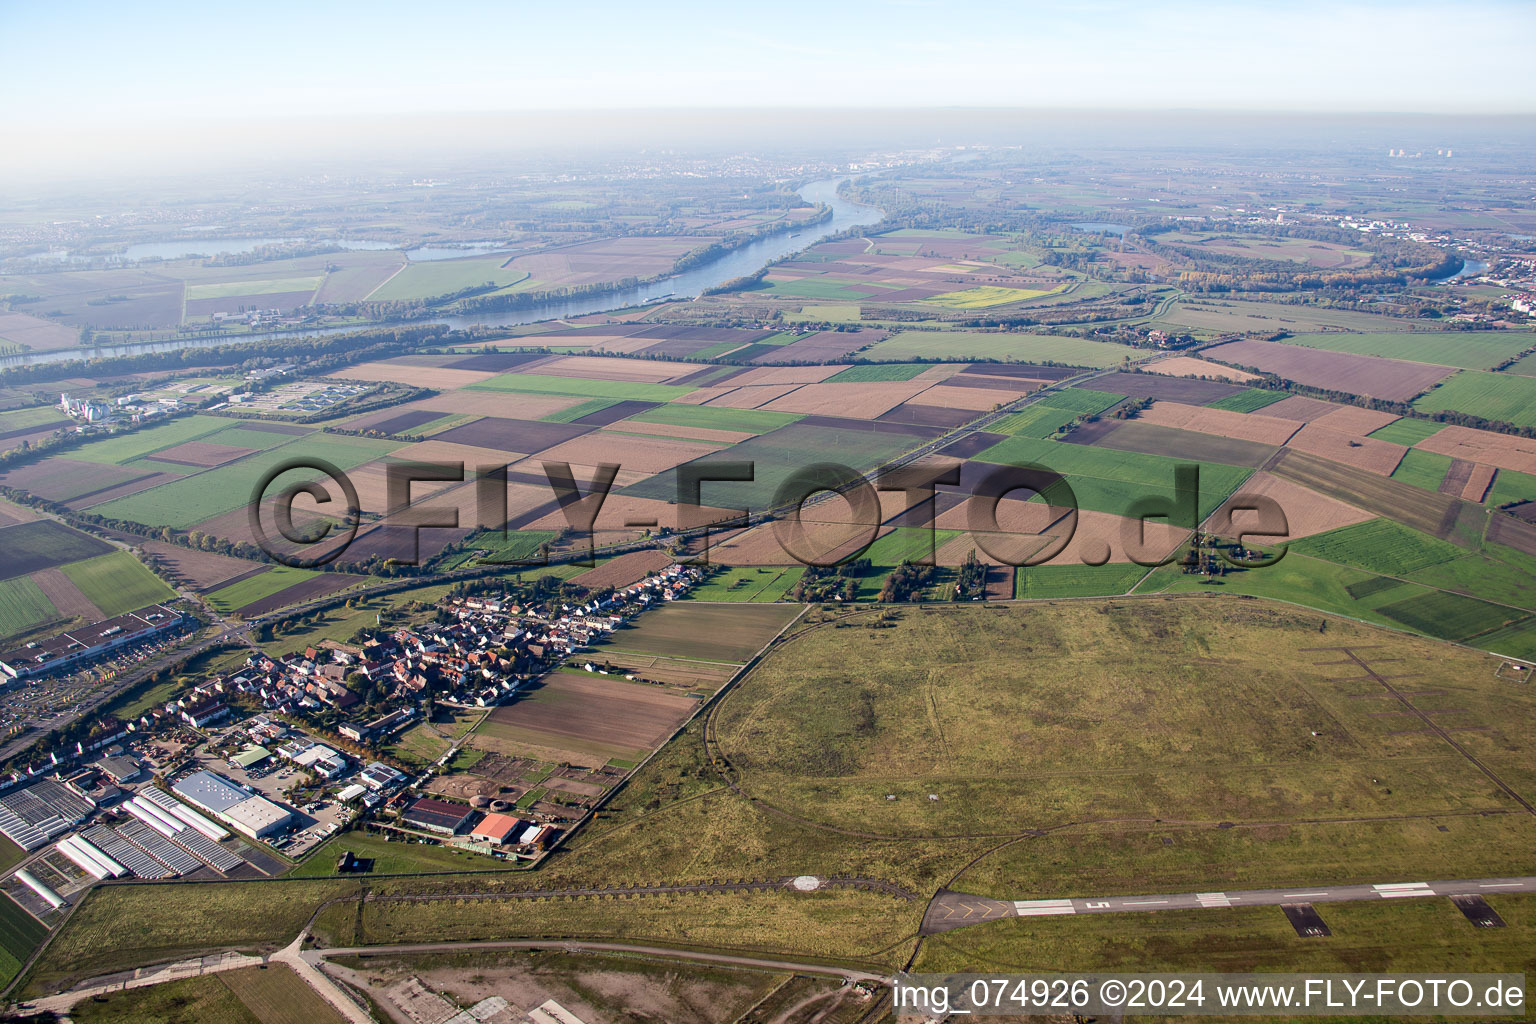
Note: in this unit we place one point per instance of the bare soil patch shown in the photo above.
(1306, 511)
(592, 708)
(1221, 422)
(65, 596)
(1393, 379)
(202, 454)
(1367, 453)
(1505, 451)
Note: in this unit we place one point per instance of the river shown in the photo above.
(749, 259)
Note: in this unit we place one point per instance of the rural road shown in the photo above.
(954, 910)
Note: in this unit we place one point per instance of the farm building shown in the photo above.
(437, 815)
(250, 757)
(496, 828)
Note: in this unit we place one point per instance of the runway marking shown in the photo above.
(1396, 890)
(1043, 908)
(1143, 903)
(1213, 899)
(1501, 885)
(1302, 895)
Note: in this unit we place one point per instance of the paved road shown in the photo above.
(1273, 897)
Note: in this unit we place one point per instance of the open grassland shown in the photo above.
(1471, 350)
(1106, 480)
(1241, 316)
(117, 583)
(834, 925)
(252, 995)
(1023, 348)
(581, 387)
(1500, 397)
(1026, 716)
(125, 926)
(1383, 936)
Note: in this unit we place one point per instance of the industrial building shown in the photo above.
(64, 649)
(256, 816)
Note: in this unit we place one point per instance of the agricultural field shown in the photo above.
(1380, 546)
(1037, 582)
(252, 995)
(116, 583)
(20, 934)
(589, 718)
(1377, 377)
(1110, 481)
(1469, 350)
(730, 634)
(1024, 348)
(1500, 397)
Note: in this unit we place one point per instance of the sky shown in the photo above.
(76, 77)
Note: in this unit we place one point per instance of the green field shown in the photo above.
(1422, 469)
(618, 390)
(579, 410)
(23, 606)
(1450, 616)
(878, 371)
(1106, 480)
(1022, 348)
(1379, 546)
(1510, 486)
(20, 934)
(427, 279)
(186, 502)
(264, 584)
(38, 417)
(1408, 431)
(117, 583)
(1251, 400)
(258, 286)
(748, 583)
(390, 857)
(1046, 581)
(125, 447)
(1500, 397)
(708, 417)
(1047, 415)
(1471, 350)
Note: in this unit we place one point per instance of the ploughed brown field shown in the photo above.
(1392, 379)
(1306, 511)
(1367, 453)
(1239, 426)
(1189, 366)
(1484, 446)
(566, 710)
(202, 454)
